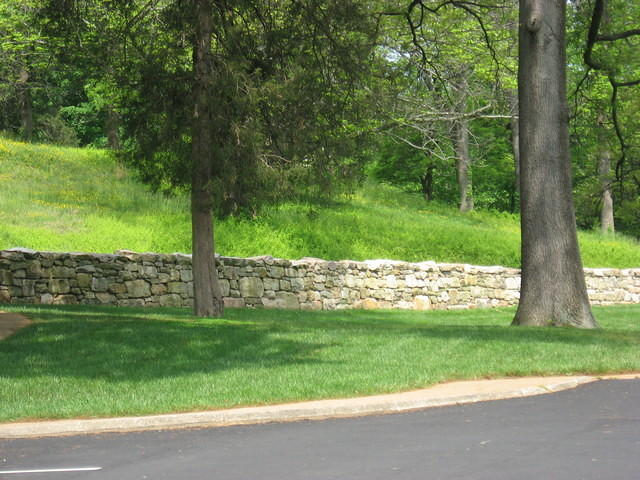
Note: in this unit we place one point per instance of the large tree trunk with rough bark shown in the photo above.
(208, 300)
(514, 124)
(553, 290)
(463, 165)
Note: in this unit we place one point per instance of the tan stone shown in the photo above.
(369, 304)
(422, 302)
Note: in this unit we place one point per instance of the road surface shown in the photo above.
(590, 432)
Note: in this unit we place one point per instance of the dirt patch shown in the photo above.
(10, 323)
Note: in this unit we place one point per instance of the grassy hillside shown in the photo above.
(65, 199)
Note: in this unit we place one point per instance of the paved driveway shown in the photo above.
(590, 432)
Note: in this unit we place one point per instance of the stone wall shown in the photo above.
(145, 279)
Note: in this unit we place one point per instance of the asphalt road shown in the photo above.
(591, 432)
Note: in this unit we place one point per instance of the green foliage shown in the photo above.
(144, 361)
(83, 200)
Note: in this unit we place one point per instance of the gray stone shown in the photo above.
(138, 289)
(285, 300)
(177, 287)
(158, 289)
(171, 300)
(276, 272)
(117, 288)
(5, 296)
(65, 300)
(46, 299)
(106, 298)
(6, 277)
(99, 284)
(225, 287)
(84, 280)
(271, 284)
(63, 272)
(251, 287)
(59, 285)
(186, 275)
(232, 302)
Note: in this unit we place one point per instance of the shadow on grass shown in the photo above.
(126, 345)
(132, 344)
(483, 325)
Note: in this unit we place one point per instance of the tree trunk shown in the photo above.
(607, 224)
(26, 105)
(553, 290)
(112, 126)
(514, 123)
(463, 165)
(208, 300)
(426, 180)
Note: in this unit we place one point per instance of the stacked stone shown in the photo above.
(607, 286)
(401, 285)
(124, 279)
(145, 279)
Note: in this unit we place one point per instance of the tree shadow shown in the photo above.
(469, 325)
(133, 347)
(118, 344)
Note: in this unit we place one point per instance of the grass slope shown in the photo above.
(143, 361)
(68, 199)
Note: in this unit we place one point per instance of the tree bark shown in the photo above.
(26, 105)
(463, 165)
(553, 290)
(514, 123)
(607, 224)
(208, 300)
(426, 180)
(112, 126)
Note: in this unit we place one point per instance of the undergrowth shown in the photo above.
(66, 199)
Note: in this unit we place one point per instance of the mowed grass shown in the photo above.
(67, 199)
(85, 362)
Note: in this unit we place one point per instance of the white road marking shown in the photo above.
(52, 470)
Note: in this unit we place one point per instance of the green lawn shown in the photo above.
(84, 362)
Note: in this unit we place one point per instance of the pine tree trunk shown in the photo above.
(208, 300)
(553, 290)
(463, 165)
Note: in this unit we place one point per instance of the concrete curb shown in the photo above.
(440, 395)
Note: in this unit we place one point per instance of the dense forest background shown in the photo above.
(312, 97)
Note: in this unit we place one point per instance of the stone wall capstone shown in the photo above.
(148, 279)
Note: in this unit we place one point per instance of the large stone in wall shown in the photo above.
(251, 287)
(171, 300)
(99, 284)
(285, 300)
(421, 302)
(138, 288)
(59, 285)
(232, 302)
